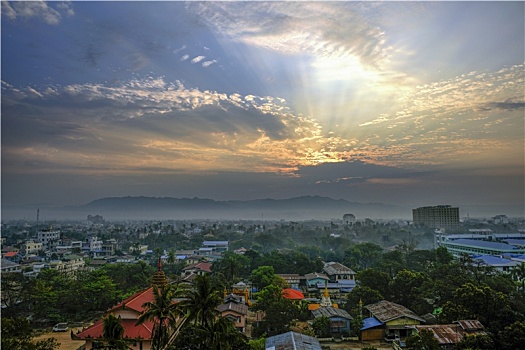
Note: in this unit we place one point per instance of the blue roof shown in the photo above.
(370, 322)
(493, 260)
(483, 244)
(515, 241)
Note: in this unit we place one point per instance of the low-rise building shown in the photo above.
(336, 271)
(31, 247)
(397, 320)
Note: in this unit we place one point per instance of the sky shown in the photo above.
(410, 103)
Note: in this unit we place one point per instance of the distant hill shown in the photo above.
(298, 208)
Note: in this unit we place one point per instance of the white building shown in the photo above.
(48, 238)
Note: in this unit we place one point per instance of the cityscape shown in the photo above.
(262, 175)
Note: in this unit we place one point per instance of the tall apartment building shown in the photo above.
(439, 216)
(48, 238)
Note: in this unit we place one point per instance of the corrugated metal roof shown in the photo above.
(444, 333)
(235, 307)
(292, 341)
(330, 311)
(370, 322)
(483, 244)
(334, 268)
(471, 325)
(386, 311)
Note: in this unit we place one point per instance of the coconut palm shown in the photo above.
(113, 333)
(163, 312)
(201, 302)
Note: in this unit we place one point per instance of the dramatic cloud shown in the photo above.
(369, 101)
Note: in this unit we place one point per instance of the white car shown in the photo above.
(60, 327)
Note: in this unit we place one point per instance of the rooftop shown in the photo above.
(292, 341)
(386, 311)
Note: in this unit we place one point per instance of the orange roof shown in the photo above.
(10, 254)
(292, 294)
(131, 331)
(136, 301)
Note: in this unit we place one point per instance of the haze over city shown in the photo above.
(403, 103)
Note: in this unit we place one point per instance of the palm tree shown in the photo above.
(113, 333)
(201, 302)
(163, 312)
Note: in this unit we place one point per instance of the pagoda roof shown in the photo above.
(136, 301)
(131, 330)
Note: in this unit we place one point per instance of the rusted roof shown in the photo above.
(444, 333)
(386, 311)
(470, 325)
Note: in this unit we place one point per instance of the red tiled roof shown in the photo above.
(136, 301)
(292, 294)
(10, 254)
(131, 331)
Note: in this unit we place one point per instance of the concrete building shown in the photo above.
(440, 216)
(48, 238)
(349, 219)
(471, 246)
(31, 247)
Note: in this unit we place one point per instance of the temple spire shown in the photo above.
(159, 277)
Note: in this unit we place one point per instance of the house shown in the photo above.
(294, 280)
(9, 266)
(237, 312)
(448, 335)
(313, 279)
(196, 269)
(129, 311)
(397, 320)
(339, 319)
(292, 341)
(12, 256)
(336, 271)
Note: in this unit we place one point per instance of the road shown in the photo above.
(64, 338)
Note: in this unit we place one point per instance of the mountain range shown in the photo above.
(297, 208)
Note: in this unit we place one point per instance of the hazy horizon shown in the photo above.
(402, 103)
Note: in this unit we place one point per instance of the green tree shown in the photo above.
(231, 265)
(163, 312)
(279, 311)
(363, 255)
(376, 280)
(512, 337)
(406, 290)
(321, 326)
(518, 274)
(424, 340)
(477, 342)
(491, 308)
(360, 296)
(262, 277)
(17, 335)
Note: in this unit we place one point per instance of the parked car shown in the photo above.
(60, 327)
